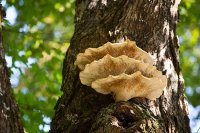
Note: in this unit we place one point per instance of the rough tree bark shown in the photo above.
(152, 24)
(9, 112)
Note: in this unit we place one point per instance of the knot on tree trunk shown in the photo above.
(124, 117)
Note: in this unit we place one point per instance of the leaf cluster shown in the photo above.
(189, 36)
(36, 44)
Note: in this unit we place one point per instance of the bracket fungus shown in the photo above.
(121, 69)
(128, 48)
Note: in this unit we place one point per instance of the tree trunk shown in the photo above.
(9, 112)
(152, 24)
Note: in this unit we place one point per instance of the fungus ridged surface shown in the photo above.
(125, 87)
(121, 69)
(128, 48)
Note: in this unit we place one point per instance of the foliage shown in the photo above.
(189, 34)
(37, 42)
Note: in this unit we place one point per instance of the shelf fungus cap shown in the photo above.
(124, 87)
(128, 48)
(124, 77)
(121, 69)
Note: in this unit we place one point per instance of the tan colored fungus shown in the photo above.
(109, 65)
(125, 87)
(121, 69)
(128, 48)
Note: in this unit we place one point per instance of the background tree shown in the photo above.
(152, 24)
(9, 112)
(36, 40)
(35, 43)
